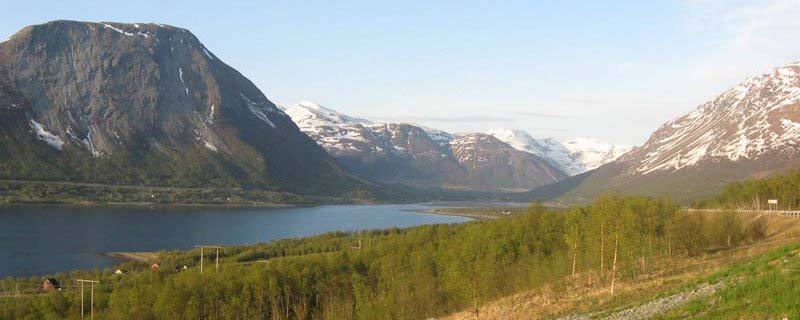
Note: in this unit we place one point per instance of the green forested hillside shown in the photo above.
(754, 194)
(395, 274)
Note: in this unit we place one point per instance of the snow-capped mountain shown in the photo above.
(336, 132)
(593, 153)
(756, 117)
(573, 157)
(750, 130)
(419, 156)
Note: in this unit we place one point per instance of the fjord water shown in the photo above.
(45, 239)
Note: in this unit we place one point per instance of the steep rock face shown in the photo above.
(750, 130)
(148, 104)
(421, 157)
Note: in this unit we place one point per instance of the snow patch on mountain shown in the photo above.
(755, 117)
(312, 115)
(340, 133)
(441, 137)
(573, 157)
(334, 131)
(108, 26)
(44, 135)
(411, 152)
(209, 146)
(259, 110)
(465, 147)
(593, 153)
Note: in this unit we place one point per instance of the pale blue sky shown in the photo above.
(614, 70)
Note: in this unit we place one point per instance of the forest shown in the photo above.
(31, 192)
(754, 194)
(411, 273)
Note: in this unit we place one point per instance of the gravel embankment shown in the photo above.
(659, 306)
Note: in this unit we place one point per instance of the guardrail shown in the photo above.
(783, 213)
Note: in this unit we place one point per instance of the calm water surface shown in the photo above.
(39, 240)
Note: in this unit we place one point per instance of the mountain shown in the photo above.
(573, 157)
(422, 157)
(592, 153)
(749, 131)
(145, 104)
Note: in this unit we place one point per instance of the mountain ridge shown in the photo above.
(575, 156)
(146, 104)
(750, 130)
(420, 156)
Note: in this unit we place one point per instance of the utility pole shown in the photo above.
(91, 283)
(202, 253)
(369, 243)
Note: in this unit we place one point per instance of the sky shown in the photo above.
(613, 70)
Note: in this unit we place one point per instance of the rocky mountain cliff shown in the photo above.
(422, 157)
(750, 130)
(573, 157)
(145, 104)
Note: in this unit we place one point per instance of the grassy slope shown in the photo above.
(767, 287)
(586, 297)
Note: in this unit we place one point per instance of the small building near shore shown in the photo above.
(118, 272)
(50, 284)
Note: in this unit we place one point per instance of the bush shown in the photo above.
(688, 233)
(757, 229)
(725, 230)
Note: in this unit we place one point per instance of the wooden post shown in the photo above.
(91, 301)
(202, 255)
(81, 299)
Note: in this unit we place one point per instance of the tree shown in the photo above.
(575, 222)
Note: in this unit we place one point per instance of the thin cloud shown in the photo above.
(551, 129)
(453, 119)
(745, 37)
(578, 100)
(544, 115)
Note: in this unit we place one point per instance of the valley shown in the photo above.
(582, 261)
(464, 162)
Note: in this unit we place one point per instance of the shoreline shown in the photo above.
(150, 205)
(131, 256)
(442, 212)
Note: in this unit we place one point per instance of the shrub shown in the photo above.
(725, 230)
(757, 229)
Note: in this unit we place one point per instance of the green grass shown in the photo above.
(767, 287)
